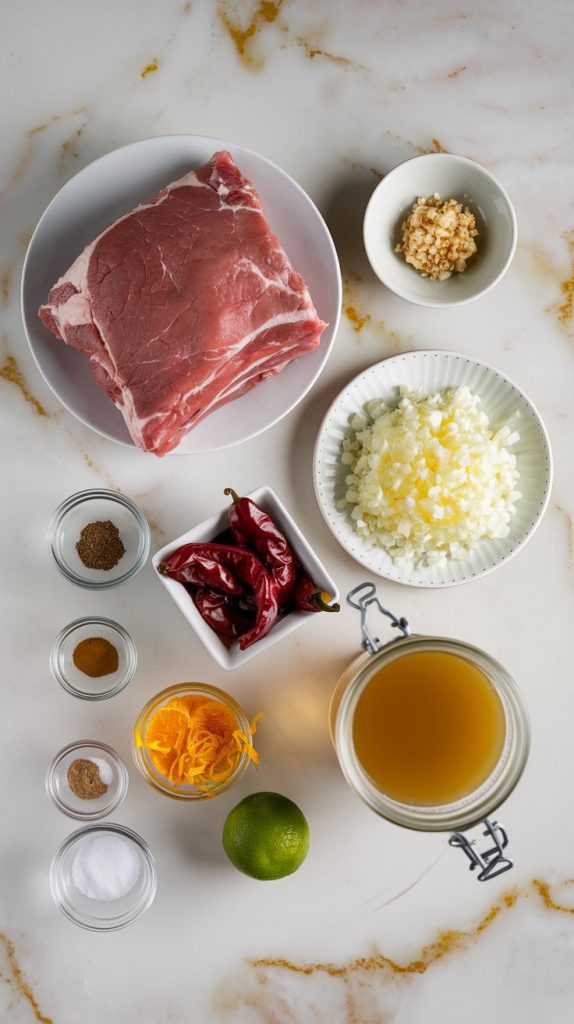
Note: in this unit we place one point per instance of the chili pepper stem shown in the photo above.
(233, 494)
(322, 599)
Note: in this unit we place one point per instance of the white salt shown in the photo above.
(105, 769)
(106, 867)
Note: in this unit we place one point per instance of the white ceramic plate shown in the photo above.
(433, 371)
(113, 185)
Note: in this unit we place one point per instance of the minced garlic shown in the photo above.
(438, 237)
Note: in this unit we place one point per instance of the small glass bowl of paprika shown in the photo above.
(193, 741)
(235, 530)
(93, 658)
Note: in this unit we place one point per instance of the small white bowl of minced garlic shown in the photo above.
(440, 230)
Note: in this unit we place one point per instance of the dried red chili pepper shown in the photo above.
(221, 612)
(188, 565)
(254, 528)
(248, 570)
(308, 597)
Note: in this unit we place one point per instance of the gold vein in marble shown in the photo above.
(91, 464)
(242, 36)
(69, 150)
(446, 943)
(366, 170)
(150, 68)
(569, 534)
(5, 287)
(267, 12)
(564, 310)
(11, 272)
(356, 316)
(353, 994)
(359, 317)
(13, 975)
(314, 51)
(29, 147)
(435, 147)
(544, 890)
(12, 374)
(157, 530)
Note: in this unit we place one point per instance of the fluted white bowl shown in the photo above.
(435, 371)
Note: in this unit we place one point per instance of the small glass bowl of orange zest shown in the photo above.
(192, 741)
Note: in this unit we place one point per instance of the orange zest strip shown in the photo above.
(194, 741)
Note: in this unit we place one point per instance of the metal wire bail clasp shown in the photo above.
(360, 597)
(492, 861)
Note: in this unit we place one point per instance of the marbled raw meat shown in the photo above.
(184, 303)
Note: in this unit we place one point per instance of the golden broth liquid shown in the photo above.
(429, 728)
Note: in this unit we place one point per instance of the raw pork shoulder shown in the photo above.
(184, 303)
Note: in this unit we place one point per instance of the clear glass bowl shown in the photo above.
(102, 915)
(144, 763)
(85, 507)
(58, 788)
(472, 807)
(78, 683)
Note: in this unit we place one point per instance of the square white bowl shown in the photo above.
(453, 177)
(228, 653)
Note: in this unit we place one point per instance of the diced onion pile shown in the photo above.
(429, 480)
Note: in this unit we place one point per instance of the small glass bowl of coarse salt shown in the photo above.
(103, 877)
(87, 780)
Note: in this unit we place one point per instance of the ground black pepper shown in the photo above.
(84, 779)
(100, 545)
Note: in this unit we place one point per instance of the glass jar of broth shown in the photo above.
(432, 733)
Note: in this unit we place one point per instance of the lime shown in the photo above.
(266, 836)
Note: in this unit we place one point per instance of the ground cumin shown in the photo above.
(84, 779)
(100, 545)
(95, 656)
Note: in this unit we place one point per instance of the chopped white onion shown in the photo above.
(429, 479)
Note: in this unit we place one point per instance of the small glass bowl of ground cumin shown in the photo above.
(99, 539)
(87, 780)
(93, 658)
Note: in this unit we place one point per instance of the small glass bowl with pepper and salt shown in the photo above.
(93, 658)
(270, 517)
(193, 741)
(99, 539)
(87, 780)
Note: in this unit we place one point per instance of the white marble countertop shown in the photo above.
(336, 94)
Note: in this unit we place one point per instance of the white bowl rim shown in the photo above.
(218, 143)
(445, 303)
(529, 533)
